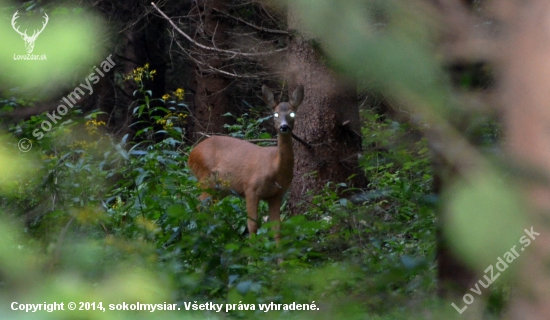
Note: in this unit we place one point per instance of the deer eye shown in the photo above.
(292, 114)
(276, 115)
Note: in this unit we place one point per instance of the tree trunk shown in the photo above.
(328, 119)
(142, 41)
(211, 98)
(454, 277)
(525, 68)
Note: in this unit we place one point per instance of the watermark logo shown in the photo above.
(72, 98)
(70, 101)
(29, 40)
(501, 265)
(24, 145)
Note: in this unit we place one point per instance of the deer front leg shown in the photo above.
(275, 216)
(252, 211)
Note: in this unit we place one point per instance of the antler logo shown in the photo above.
(29, 40)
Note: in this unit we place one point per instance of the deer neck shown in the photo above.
(285, 163)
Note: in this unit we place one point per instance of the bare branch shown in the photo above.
(253, 25)
(235, 53)
(215, 70)
(309, 146)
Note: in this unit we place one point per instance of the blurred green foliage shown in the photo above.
(392, 45)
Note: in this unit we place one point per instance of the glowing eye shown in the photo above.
(292, 114)
(276, 115)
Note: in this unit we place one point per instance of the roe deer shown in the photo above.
(255, 173)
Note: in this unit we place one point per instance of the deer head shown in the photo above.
(284, 112)
(29, 40)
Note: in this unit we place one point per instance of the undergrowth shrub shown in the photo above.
(98, 203)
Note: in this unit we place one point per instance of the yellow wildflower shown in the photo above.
(92, 126)
(179, 93)
(140, 73)
(119, 203)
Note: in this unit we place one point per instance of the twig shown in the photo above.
(60, 240)
(252, 25)
(215, 70)
(204, 134)
(251, 140)
(261, 140)
(237, 53)
(309, 146)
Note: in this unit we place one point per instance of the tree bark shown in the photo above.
(328, 119)
(525, 70)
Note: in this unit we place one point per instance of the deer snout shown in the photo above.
(284, 128)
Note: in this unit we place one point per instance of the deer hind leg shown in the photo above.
(202, 197)
(252, 211)
(275, 216)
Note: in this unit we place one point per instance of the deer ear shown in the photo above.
(268, 97)
(297, 97)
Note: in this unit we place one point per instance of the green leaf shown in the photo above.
(244, 287)
(486, 217)
(265, 135)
